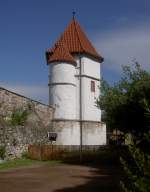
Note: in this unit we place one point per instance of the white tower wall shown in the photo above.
(62, 89)
(90, 67)
(65, 97)
(90, 72)
(90, 111)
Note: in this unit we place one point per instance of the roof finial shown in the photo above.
(73, 14)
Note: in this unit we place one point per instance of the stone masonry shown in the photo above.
(16, 138)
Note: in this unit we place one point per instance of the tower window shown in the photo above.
(92, 86)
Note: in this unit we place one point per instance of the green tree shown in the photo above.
(137, 164)
(122, 102)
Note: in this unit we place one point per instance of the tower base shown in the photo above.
(68, 131)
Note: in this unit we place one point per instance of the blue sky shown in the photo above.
(119, 30)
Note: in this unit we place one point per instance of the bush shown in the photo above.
(26, 155)
(2, 152)
(137, 170)
(137, 164)
(19, 117)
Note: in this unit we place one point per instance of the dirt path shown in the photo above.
(59, 178)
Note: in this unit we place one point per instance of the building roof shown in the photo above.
(61, 53)
(76, 41)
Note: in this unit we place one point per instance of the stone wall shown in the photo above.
(16, 138)
(10, 101)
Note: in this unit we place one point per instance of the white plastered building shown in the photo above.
(74, 81)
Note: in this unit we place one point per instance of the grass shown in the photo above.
(103, 156)
(25, 162)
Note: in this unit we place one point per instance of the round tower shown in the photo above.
(62, 83)
(74, 80)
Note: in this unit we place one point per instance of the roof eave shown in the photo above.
(61, 61)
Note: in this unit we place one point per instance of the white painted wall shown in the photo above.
(65, 99)
(77, 97)
(63, 95)
(90, 111)
(95, 135)
(91, 69)
(69, 133)
(62, 72)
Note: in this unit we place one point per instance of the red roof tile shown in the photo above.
(61, 53)
(76, 41)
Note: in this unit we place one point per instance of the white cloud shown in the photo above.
(37, 92)
(120, 47)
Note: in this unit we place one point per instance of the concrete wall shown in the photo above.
(68, 132)
(65, 96)
(90, 111)
(63, 90)
(90, 72)
(90, 67)
(62, 73)
(93, 133)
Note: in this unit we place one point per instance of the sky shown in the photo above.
(119, 30)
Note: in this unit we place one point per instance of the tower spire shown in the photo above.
(73, 14)
(75, 41)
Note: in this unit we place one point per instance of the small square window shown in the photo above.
(92, 86)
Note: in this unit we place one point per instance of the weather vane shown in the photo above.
(73, 14)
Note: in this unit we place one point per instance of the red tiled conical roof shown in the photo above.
(76, 41)
(61, 53)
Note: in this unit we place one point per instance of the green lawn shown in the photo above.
(103, 156)
(24, 162)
